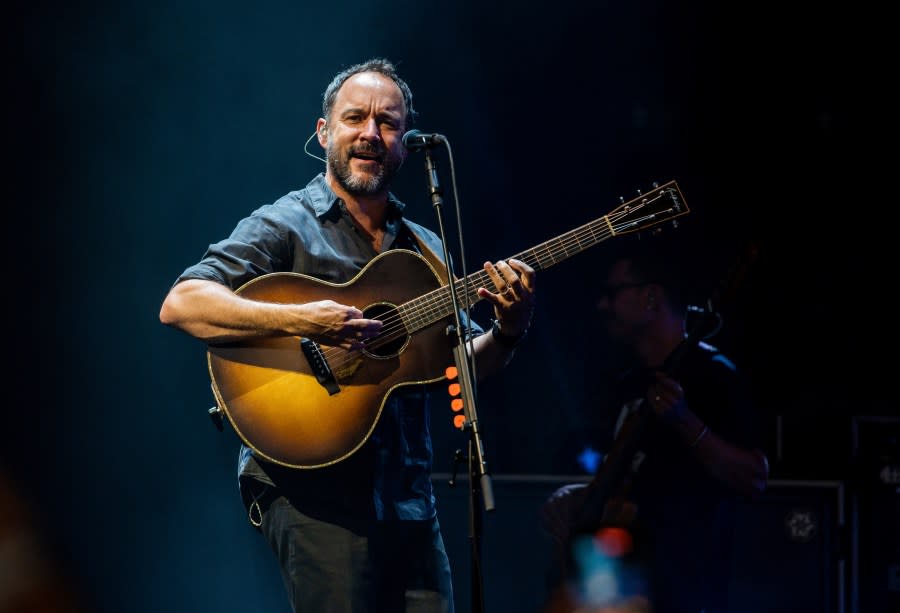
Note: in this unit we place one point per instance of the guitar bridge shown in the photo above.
(319, 366)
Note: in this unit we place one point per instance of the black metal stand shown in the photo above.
(481, 491)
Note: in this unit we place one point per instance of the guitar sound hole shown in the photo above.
(392, 338)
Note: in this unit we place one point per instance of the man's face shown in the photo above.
(623, 304)
(364, 134)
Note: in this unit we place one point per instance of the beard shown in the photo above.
(363, 184)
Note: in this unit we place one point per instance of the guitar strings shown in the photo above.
(438, 297)
(433, 304)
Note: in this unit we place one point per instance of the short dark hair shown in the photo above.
(665, 261)
(379, 65)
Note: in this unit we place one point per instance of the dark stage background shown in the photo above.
(138, 133)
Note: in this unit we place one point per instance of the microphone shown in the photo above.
(415, 140)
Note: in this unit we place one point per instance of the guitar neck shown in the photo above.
(662, 203)
(438, 304)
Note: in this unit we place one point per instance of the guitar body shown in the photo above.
(267, 387)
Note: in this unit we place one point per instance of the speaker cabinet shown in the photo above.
(788, 550)
(875, 513)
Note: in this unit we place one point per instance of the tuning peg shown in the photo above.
(655, 184)
(622, 199)
(639, 192)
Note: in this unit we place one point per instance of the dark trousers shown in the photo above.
(335, 564)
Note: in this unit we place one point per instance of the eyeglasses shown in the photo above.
(611, 291)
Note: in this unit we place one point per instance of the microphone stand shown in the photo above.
(480, 489)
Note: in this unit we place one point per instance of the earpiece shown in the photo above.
(309, 140)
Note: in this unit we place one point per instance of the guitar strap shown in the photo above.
(429, 254)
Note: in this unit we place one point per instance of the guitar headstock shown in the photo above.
(662, 203)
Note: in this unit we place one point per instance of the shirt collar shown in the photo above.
(323, 199)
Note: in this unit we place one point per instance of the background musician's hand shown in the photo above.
(666, 398)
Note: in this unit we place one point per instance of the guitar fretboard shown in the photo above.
(661, 204)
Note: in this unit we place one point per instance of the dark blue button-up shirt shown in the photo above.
(310, 232)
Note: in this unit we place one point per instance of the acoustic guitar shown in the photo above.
(306, 405)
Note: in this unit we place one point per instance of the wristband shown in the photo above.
(509, 342)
